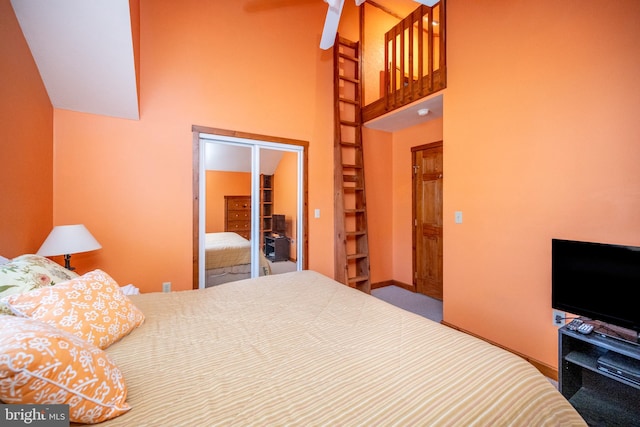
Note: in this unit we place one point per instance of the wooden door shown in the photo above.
(427, 203)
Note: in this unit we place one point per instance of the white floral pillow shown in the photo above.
(44, 365)
(90, 306)
(28, 272)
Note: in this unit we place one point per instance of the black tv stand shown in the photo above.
(601, 397)
(608, 330)
(276, 248)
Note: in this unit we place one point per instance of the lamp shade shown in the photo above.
(68, 239)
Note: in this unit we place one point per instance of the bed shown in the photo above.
(228, 258)
(301, 349)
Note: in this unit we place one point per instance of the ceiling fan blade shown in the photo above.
(331, 23)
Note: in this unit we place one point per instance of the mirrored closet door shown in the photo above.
(251, 209)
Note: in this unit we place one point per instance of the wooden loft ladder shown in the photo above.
(352, 244)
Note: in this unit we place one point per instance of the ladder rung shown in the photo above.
(356, 256)
(355, 233)
(353, 189)
(358, 279)
(350, 178)
(349, 101)
(349, 79)
(347, 43)
(349, 57)
(350, 145)
(353, 211)
(348, 123)
(350, 166)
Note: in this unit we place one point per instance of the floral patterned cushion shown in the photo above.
(90, 306)
(28, 272)
(44, 365)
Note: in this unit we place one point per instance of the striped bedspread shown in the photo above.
(301, 349)
(226, 249)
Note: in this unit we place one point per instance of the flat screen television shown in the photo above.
(598, 281)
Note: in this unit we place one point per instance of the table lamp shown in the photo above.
(66, 240)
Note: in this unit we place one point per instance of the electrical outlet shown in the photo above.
(166, 287)
(558, 317)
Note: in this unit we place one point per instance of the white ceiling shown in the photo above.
(221, 156)
(84, 52)
(408, 116)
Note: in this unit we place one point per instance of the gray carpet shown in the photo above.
(416, 303)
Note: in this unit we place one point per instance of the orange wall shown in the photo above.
(26, 135)
(377, 23)
(378, 175)
(220, 184)
(541, 140)
(285, 195)
(219, 64)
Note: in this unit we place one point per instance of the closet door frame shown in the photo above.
(202, 135)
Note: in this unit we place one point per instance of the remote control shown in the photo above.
(574, 324)
(585, 328)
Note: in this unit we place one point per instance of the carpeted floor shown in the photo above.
(416, 303)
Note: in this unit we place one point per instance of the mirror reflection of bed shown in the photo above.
(228, 215)
(228, 258)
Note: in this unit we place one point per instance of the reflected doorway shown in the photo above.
(250, 208)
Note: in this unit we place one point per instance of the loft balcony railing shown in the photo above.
(415, 61)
